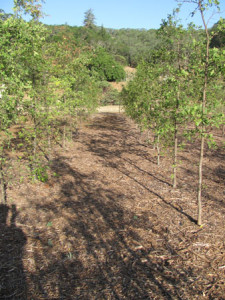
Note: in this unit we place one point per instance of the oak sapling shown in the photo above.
(206, 71)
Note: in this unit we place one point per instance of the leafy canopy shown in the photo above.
(106, 67)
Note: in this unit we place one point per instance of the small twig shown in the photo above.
(222, 267)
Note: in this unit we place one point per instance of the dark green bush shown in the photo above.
(121, 60)
(106, 67)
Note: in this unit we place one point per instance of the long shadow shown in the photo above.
(109, 140)
(120, 134)
(101, 146)
(215, 175)
(157, 195)
(12, 242)
(104, 261)
(95, 247)
(148, 173)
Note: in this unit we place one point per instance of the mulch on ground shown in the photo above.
(109, 225)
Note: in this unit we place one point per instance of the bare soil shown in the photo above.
(111, 109)
(109, 225)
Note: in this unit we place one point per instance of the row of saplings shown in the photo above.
(179, 93)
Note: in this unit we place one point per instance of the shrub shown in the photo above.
(120, 59)
(111, 97)
(106, 67)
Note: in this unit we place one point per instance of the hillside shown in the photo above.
(128, 46)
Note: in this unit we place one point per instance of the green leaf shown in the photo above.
(50, 243)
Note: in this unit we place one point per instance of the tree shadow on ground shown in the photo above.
(115, 138)
(212, 172)
(12, 242)
(96, 250)
(111, 147)
(85, 243)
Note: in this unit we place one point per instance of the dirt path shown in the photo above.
(109, 225)
(111, 109)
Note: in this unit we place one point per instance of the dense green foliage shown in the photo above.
(128, 46)
(179, 93)
(106, 67)
(45, 87)
(218, 35)
(133, 44)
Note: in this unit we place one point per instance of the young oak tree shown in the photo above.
(23, 71)
(204, 71)
(162, 84)
(173, 58)
(12, 83)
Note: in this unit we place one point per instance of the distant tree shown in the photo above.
(103, 34)
(4, 16)
(218, 39)
(89, 18)
(134, 44)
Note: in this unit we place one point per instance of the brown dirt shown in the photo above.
(118, 85)
(108, 225)
(110, 109)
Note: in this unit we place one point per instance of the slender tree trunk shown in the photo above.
(148, 136)
(154, 142)
(35, 122)
(200, 181)
(35, 133)
(3, 186)
(204, 99)
(176, 121)
(176, 139)
(47, 109)
(35, 143)
(223, 126)
(158, 151)
(49, 144)
(64, 136)
(175, 157)
(154, 139)
(73, 124)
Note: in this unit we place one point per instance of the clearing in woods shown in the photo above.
(108, 225)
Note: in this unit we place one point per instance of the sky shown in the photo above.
(117, 14)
